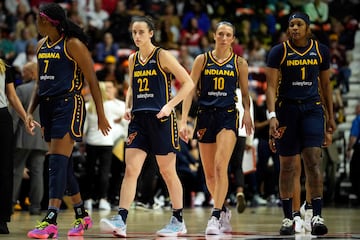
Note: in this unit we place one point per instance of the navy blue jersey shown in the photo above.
(218, 82)
(151, 85)
(58, 72)
(299, 69)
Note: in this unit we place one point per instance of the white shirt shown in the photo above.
(239, 106)
(114, 110)
(3, 98)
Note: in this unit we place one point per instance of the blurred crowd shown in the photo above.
(186, 28)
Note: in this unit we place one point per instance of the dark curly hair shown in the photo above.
(56, 13)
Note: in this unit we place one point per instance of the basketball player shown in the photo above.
(217, 74)
(63, 63)
(297, 70)
(153, 127)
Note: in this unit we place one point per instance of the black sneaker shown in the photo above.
(240, 202)
(318, 227)
(3, 228)
(287, 227)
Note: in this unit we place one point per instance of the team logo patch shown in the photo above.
(200, 133)
(281, 131)
(131, 138)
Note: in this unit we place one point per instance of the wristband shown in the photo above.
(270, 115)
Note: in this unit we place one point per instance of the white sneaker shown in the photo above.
(104, 204)
(298, 224)
(306, 214)
(224, 220)
(199, 199)
(88, 204)
(173, 229)
(259, 200)
(114, 225)
(213, 226)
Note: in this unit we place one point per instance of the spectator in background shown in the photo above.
(6, 19)
(105, 48)
(13, 6)
(238, 47)
(255, 53)
(97, 22)
(267, 178)
(353, 153)
(119, 25)
(339, 65)
(264, 35)
(191, 36)
(168, 39)
(205, 44)
(243, 142)
(172, 21)
(244, 34)
(318, 12)
(29, 55)
(74, 14)
(110, 72)
(99, 147)
(30, 150)
(21, 43)
(197, 11)
(7, 48)
(28, 23)
(98, 16)
(185, 59)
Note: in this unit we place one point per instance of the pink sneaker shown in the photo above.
(80, 225)
(44, 230)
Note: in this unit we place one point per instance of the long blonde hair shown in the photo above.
(2, 66)
(92, 106)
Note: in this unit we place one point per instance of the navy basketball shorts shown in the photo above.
(210, 121)
(63, 114)
(303, 126)
(153, 135)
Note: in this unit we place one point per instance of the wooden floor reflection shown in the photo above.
(254, 223)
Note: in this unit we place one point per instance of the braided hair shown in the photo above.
(57, 16)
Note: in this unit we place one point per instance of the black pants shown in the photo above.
(235, 164)
(98, 168)
(6, 164)
(355, 171)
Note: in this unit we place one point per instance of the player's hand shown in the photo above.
(31, 124)
(183, 133)
(328, 139)
(272, 144)
(164, 112)
(127, 115)
(104, 126)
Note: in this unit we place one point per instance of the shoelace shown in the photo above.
(317, 220)
(116, 219)
(172, 226)
(77, 222)
(287, 222)
(42, 225)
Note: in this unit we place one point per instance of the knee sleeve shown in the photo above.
(71, 182)
(57, 175)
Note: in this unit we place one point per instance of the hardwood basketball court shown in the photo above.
(254, 223)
